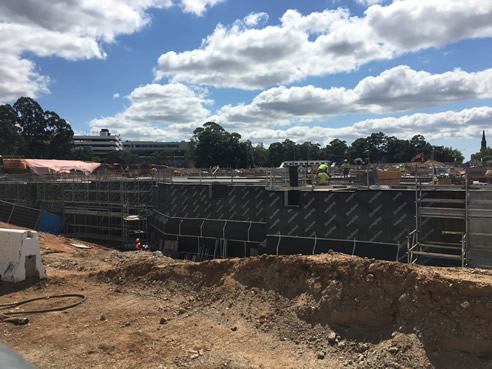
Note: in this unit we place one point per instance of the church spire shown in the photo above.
(484, 142)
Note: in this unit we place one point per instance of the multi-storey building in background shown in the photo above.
(175, 151)
(105, 142)
(101, 144)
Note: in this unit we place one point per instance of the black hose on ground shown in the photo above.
(14, 304)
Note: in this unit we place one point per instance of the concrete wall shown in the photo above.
(20, 256)
(377, 219)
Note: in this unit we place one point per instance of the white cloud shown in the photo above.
(369, 2)
(323, 43)
(158, 112)
(116, 95)
(402, 88)
(198, 7)
(398, 89)
(255, 19)
(69, 29)
(172, 112)
(410, 25)
(449, 124)
(18, 77)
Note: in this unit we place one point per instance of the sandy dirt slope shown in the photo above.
(327, 311)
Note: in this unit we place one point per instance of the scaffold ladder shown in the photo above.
(448, 208)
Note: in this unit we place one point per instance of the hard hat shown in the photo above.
(138, 239)
(345, 160)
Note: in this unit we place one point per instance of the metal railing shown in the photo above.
(417, 249)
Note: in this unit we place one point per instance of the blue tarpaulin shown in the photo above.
(49, 223)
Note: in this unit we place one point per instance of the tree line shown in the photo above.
(29, 131)
(212, 145)
(483, 155)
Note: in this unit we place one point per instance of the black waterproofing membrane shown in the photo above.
(229, 229)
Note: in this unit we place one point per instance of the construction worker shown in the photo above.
(138, 246)
(488, 176)
(322, 177)
(435, 181)
(346, 168)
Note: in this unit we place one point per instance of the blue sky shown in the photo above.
(270, 70)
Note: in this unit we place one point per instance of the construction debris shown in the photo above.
(80, 246)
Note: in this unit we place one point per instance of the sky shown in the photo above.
(270, 70)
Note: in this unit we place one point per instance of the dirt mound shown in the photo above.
(325, 311)
(367, 298)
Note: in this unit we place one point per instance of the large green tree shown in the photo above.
(376, 146)
(60, 136)
(11, 141)
(121, 157)
(483, 155)
(336, 150)
(290, 150)
(380, 148)
(359, 149)
(246, 155)
(260, 156)
(31, 121)
(447, 154)
(420, 145)
(212, 145)
(276, 154)
(160, 157)
(398, 151)
(45, 134)
(84, 154)
(308, 151)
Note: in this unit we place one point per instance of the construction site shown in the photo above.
(387, 266)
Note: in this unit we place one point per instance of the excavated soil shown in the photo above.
(144, 310)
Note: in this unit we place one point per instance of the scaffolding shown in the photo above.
(468, 211)
(453, 244)
(110, 208)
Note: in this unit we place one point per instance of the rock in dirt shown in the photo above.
(332, 337)
(393, 350)
(370, 278)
